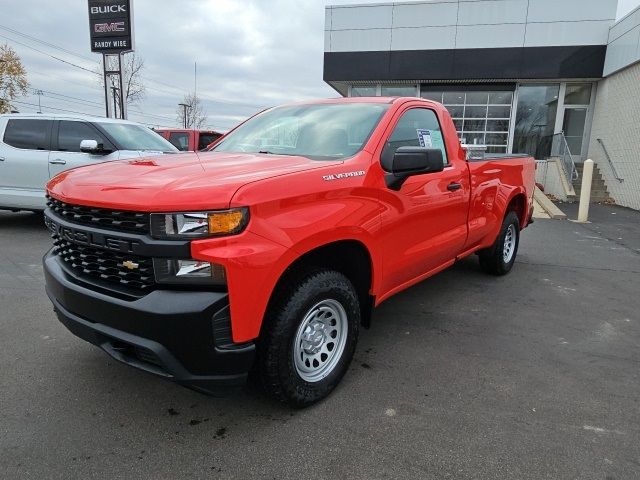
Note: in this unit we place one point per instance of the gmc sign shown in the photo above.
(111, 26)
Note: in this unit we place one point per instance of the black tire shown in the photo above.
(492, 259)
(275, 360)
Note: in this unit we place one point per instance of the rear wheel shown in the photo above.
(500, 257)
(309, 337)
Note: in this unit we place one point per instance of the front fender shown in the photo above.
(254, 265)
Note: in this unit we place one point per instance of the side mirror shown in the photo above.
(408, 161)
(90, 146)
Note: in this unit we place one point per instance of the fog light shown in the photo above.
(193, 272)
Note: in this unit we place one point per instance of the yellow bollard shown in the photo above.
(585, 191)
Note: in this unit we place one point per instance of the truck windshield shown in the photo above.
(320, 132)
(129, 136)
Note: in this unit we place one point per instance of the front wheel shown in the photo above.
(500, 257)
(309, 337)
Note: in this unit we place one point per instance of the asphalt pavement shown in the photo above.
(465, 376)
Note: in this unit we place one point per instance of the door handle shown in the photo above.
(453, 186)
(58, 161)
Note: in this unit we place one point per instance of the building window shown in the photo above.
(363, 91)
(577, 94)
(535, 119)
(398, 91)
(480, 117)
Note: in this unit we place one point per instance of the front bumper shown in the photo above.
(184, 336)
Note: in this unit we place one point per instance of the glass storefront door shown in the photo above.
(573, 124)
(575, 117)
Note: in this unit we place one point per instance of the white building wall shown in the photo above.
(617, 122)
(623, 47)
(450, 24)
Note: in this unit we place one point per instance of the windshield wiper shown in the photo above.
(266, 152)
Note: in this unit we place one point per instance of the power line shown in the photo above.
(49, 75)
(52, 45)
(49, 55)
(68, 98)
(53, 108)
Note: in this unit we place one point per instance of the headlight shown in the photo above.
(192, 272)
(199, 224)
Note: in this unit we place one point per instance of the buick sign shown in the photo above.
(111, 26)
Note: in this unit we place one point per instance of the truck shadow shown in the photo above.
(21, 221)
(146, 398)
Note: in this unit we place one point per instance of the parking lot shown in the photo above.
(532, 375)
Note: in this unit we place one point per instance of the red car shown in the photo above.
(189, 140)
(274, 247)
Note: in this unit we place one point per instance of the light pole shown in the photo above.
(39, 93)
(184, 116)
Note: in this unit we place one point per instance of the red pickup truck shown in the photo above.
(189, 140)
(271, 250)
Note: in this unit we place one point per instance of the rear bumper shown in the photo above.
(183, 336)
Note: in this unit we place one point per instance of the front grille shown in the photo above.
(118, 220)
(106, 265)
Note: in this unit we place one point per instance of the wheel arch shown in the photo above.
(518, 204)
(349, 256)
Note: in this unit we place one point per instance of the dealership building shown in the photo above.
(554, 79)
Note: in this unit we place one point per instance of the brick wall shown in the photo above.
(616, 121)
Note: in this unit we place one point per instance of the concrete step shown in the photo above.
(599, 191)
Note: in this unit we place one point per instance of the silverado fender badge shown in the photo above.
(338, 176)
(130, 265)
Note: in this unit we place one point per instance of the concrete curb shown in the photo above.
(547, 205)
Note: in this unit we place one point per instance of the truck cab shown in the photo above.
(187, 140)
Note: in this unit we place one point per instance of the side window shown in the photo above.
(27, 134)
(417, 127)
(70, 134)
(206, 139)
(180, 140)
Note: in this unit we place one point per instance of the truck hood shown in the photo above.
(189, 181)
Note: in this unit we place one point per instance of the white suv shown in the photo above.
(36, 147)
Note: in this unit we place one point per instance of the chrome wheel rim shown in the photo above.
(509, 247)
(320, 340)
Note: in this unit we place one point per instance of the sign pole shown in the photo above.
(123, 94)
(111, 34)
(106, 88)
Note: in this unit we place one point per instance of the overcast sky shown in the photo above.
(250, 54)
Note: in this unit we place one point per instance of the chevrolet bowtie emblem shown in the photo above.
(130, 265)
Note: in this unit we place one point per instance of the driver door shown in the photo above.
(425, 226)
(65, 150)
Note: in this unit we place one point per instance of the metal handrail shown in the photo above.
(606, 154)
(560, 149)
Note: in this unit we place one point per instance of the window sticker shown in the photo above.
(424, 136)
(432, 139)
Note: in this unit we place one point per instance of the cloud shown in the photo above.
(250, 54)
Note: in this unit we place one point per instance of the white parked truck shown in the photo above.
(36, 147)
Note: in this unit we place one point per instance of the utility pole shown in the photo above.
(185, 106)
(114, 91)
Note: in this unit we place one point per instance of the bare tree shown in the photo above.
(133, 81)
(13, 78)
(196, 114)
(132, 68)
